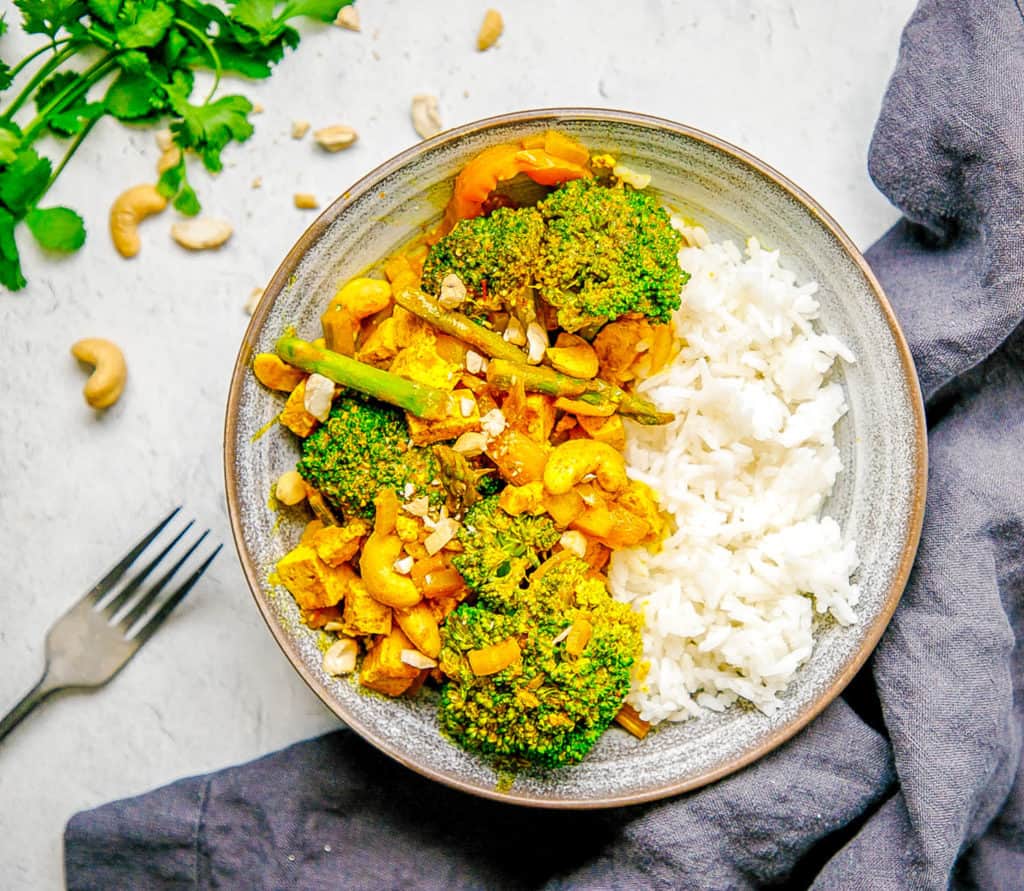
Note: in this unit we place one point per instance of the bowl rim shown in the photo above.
(554, 116)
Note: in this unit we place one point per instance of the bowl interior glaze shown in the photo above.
(878, 499)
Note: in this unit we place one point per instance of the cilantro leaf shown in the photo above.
(10, 268)
(187, 202)
(132, 96)
(269, 24)
(174, 46)
(54, 86)
(71, 120)
(57, 228)
(171, 179)
(72, 112)
(3, 24)
(143, 23)
(49, 16)
(258, 15)
(236, 59)
(134, 61)
(173, 184)
(105, 10)
(321, 10)
(206, 129)
(24, 180)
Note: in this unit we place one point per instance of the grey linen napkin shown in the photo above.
(912, 779)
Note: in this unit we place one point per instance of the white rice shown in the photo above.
(744, 470)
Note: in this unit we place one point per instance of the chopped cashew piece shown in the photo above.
(574, 541)
(631, 177)
(514, 332)
(474, 362)
(305, 201)
(348, 18)
(466, 406)
(106, 383)
(493, 423)
(426, 115)
(318, 396)
(299, 129)
(404, 564)
(417, 660)
(201, 233)
(255, 295)
(257, 108)
(290, 488)
(418, 507)
(127, 211)
(470, 444)
(257, 182)
(335, 138)
(164, 139)
(490, 30)
(453, 292)
(537, 339)
(444, 532)
(340, 657)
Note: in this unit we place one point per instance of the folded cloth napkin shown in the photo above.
(912, 779)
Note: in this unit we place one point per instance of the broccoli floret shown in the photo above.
(606, 252)
(551, 706)
(500, 549)
(494, 256)
(363, 447)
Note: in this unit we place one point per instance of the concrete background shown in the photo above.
(797, 83)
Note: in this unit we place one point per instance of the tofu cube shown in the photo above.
(339, 544)
(383, 669)
(294, 415)
(463, 417)
(362, 614)
(308, 579)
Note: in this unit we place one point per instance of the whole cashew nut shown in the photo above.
(573, 460)
(363, 297)
(127, 211)
(106, 383)
(377, 567)
(355, 301)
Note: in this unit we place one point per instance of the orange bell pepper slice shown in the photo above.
(498, 163)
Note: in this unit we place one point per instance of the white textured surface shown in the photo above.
(796, 83)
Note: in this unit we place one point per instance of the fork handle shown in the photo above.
(28, 702)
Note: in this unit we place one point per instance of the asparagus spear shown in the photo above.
(422, 400)
(540, 379)
(488, 342)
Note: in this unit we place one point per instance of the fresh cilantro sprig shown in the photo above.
(133, 60)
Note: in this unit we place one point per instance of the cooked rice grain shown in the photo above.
(744, 470)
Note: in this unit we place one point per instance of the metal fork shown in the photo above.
(94, 639)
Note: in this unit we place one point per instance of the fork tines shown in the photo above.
(128, 607)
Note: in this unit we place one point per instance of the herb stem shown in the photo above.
(201, 37)
(44, 71)
(71, 150)
(72, 91)
(17, 69)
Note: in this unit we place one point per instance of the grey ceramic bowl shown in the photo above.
(878, 500)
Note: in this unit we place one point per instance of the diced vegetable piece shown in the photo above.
(495, 658)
